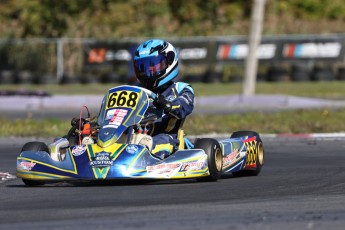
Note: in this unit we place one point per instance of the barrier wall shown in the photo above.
(207, 59)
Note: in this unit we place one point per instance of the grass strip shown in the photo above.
(330, 89)
(296, 121)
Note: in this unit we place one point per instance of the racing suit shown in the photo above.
(164, 130)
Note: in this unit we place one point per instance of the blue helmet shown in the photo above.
(155, 63)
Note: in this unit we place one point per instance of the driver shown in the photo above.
(156, 67)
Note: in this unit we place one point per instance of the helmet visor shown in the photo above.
(150, 67)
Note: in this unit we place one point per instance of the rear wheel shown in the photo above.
(259, 153)
(214, 157)
(34, 146)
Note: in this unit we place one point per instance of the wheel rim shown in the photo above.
(218, 159)
(261, 153)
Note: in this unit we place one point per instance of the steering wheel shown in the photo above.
(149, 119)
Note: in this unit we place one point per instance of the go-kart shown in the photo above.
(120, 148)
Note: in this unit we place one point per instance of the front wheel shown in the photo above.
(34, 146)
(32, 183)
(214, 157)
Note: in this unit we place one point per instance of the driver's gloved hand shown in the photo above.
(161, 103)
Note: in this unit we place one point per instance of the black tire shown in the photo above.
(277, 74)
(32, 183)
(214, 157)
(322, 74)
(341, 74)
(259, 153)
(300, 73)
(34, 146)
(244, 133)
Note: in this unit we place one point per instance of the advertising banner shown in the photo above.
(285, 49)
(108, 53)
(227, 50)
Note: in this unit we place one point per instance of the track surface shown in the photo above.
(301, 186)
(68, 106)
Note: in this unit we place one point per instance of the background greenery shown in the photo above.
(109, 19)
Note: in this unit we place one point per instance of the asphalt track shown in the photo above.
(300, 187)
(68, 106)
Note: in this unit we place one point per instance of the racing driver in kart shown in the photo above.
(156, 67)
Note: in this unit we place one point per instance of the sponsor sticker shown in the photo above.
(132, 149)
(144, 52)
(116, 116)
(190, 166)
(24, 165)
(229, 159)
(101, 160)
(170, 98)
(163, 170)
(78, 150)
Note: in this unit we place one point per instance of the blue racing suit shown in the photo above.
(164, 130)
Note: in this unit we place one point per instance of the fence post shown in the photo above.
(254, 41)
(59, 59)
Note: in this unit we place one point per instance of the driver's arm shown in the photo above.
(182, 105)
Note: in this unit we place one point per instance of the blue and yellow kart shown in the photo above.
(122, 150)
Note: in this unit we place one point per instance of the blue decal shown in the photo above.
(132, 149)
(78, 150)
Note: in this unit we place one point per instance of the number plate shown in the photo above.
(126, 99)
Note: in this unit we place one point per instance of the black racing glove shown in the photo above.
(161, 103)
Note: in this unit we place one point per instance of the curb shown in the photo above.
(321, 136)
(312, 135)
(290, 136)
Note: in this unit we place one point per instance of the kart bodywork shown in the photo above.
(116, 155)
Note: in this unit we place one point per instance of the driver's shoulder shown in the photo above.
(180, 86)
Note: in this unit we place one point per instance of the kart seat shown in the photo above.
(180, 137)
